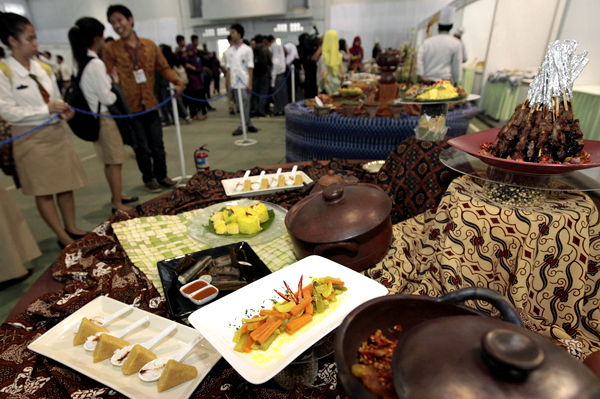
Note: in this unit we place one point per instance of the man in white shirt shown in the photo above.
(292, 57)
(440, 57)
(240, 68)
(458, 34)
(63, 74)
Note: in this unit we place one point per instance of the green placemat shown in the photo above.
(148, 240)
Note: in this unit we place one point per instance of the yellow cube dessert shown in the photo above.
(247, 185)
(86, 329)
(261, 211)
(176, 373)
(264, 184)
(249, 224)
(233, 228)
(137, 358)
(281, 182)
(106, 347)
(216, 217)
(298, 180)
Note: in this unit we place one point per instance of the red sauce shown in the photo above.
(205, 293)
(195, 286)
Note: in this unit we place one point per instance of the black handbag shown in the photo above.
(86, 127)
(125, 125)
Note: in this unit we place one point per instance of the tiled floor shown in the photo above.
(93, 201)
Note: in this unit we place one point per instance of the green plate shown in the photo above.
(211, 229)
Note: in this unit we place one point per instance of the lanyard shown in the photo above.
(137, 51)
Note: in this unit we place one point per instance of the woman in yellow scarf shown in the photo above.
(331, 68)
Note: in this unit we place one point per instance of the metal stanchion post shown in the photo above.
(245, 141)
(178, 134)
(293, 84)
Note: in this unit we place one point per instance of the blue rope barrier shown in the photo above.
(46, 123)
(208, 100)
(275, 92)
(82, 111)
(38, 127)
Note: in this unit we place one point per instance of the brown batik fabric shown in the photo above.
(97, 265)
(414, 177)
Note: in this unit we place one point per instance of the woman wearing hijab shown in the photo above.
(356, 54)
(330, 64)
(195, 87)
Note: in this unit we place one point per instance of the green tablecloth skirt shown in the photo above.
(500, 100)
(468, 78)
(587, 109)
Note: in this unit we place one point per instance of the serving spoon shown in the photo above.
(152, 371)
(102, 321)
(92, 341)
(120, 355)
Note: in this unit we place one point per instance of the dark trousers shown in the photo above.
(150, 152)
(196, 106)
(260, 85)
(217, 79)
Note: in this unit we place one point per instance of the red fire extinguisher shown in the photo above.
(201, 159)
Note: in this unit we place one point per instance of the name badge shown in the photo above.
(140, 76)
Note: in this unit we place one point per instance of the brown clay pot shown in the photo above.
(444, 346)
(349, 224)
(325, 181)
(388, 58)
(395, 109)
(371, 108)
(349, 109)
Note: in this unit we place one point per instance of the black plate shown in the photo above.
(178, 305)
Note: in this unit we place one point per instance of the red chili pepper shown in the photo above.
(300, 294)
(283, 296)
(291, 293)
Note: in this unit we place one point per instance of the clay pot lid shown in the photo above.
(338, 213)
(483, 357)
(330, 178)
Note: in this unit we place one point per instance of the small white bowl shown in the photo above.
(183, 287)
(205, 300)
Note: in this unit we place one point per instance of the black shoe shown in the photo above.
(153, 186)
(11, 282)
(237, 132)
(61, 245)
(75, 236)
(231, 112)
(252, 129)
(211, 109)
(129, 200)
(168, 183)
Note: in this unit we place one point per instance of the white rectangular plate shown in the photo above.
(230, 184)
(57, 344)
(218, 320)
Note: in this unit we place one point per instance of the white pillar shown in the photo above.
(293, 84)
(245, 141)
(178, 134)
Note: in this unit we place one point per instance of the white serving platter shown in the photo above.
(230, 185)
(57, 344)
(219, 320)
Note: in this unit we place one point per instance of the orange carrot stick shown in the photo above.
(298, 323)
(274, 313)
(267, 333)
(247, 348)
(245, 328)
(334, 282)
(301, 306)
(309, 309)
(256, 333)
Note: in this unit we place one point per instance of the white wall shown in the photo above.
(477, 20)
(520, 34)
(389, 22)
(581, 23)
(227, 9)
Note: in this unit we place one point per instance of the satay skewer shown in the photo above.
(565, 100)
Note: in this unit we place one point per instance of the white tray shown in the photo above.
(57, 344)
(218, 321)
(230, 184)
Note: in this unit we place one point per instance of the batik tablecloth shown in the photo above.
(543, 258)
(148, 240)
